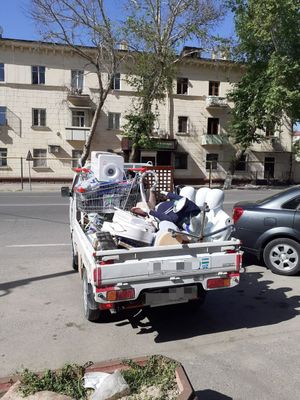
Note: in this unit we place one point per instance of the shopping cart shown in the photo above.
(106, 197)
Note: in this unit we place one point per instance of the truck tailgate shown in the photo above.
(157, 268)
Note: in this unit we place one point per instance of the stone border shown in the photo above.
(183, 382)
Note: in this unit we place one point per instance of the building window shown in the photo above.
(213, 126)
(38, 117)
(2, 72)
(78, 118)
(76, 154)
(214, 88)
(77, 80)
(3, 157)
(37, 75)
(3, 120)
(40, 159)
(241, 165)
(182, 124)
(182, 85)
(212, 161)
(114, 120)
(116, 82)
(181, 160)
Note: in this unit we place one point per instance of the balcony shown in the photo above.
(216, 102)
(77, 134)
(78, 99)
(218, 140)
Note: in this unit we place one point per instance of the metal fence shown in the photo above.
(18, 169)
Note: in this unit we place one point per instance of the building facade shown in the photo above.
(47, 100)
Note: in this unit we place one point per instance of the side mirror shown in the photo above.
(65, 191)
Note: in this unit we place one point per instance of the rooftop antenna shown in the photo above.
(1, 31)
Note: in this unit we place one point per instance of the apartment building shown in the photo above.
(47, 100)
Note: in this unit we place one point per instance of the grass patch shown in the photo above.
(158, 371)
(67, 380)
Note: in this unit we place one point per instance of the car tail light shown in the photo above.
(231, 279)
(216, 283)
(237, 213)
(120, 294)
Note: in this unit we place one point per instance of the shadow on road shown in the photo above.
(211, 395)
(251, 304)
(6, 287)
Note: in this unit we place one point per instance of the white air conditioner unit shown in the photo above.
(53, 149)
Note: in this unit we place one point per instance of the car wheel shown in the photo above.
(282, 256)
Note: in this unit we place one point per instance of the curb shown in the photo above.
(183, 382)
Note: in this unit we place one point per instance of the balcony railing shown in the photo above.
(77, 98)
(79, 134)
(214, 140)
(216, 102)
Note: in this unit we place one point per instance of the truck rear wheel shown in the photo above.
(90, 306)
(74, 257)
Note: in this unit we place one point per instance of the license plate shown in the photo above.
(173, 295)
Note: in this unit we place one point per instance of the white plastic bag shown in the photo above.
(92, 380)
(112, 387)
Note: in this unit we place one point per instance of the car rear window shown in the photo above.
(275, 197)
(292, 204)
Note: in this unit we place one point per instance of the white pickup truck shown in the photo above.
(149, 276)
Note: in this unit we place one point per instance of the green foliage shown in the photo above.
(139, 128)
(66, 381)
(269, 36)
(158, 371)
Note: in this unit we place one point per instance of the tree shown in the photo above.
(155, 30)
(269, 91)
(84, 27)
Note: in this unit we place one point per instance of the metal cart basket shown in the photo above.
(107, 196)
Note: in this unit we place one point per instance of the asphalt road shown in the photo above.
(243, 344)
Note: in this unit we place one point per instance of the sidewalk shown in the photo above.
(35, 187)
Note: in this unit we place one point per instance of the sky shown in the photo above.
(16, 23)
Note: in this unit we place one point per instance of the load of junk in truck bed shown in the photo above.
(124, 207)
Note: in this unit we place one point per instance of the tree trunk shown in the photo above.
(134, 154)
(231, 169)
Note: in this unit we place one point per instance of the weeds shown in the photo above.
(158, 371)
(66, 381)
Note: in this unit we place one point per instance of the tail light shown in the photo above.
(231, 279)
(216, 283)
(237, 213)
(121, 294)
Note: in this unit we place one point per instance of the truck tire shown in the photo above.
(282, 256)
(74, 257)
(74, 260)
(91, 309)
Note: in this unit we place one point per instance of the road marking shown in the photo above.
(39, 245)
(34, 205)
